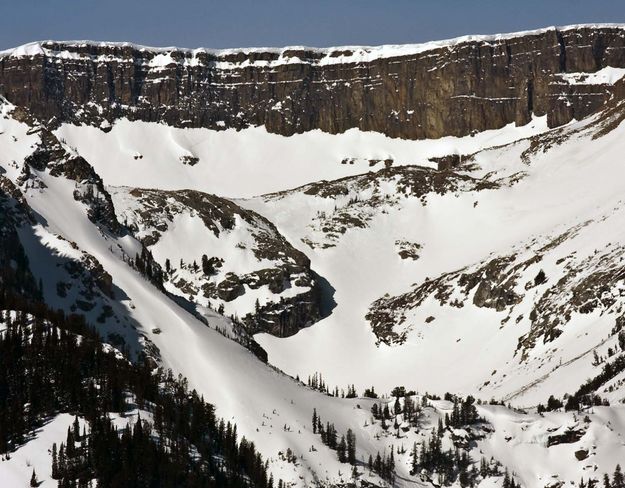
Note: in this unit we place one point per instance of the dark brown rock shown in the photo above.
(458, 89)
(581, 454)
(570, 436)
(50, 154)
(230, 288)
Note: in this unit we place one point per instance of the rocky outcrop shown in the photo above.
(85, 283)
(494, 283)
(514, 283)
(236, 261)
(359, 199)
(569, 436)
(51, 154)
(446, 88)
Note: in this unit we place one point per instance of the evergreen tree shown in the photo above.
(414, 459)
(617, 478)
(397, 406)
(408, 408)
(55, 363)
(377, 464)
(606, 481)
(351, 447)
(207, 269)
(76, 428)
(375, 411)
(341, 450)
(506, 479)
(386, 412)
(55, 462)
(553, 403)
(391, 467)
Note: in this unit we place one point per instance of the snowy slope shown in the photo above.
(576, 183)
(374, 236)
(252, 161)
(258, 398)
(36, 455)
(223, 257)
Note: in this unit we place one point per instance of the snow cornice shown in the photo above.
(281, 55)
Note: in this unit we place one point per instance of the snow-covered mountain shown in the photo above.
(419, 283)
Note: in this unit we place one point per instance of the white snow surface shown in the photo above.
(36, 454)
(259, 399)
(605, 76)
(253, 161)
(186, 238)
(577, 183)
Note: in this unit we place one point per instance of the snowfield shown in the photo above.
(253, 161)
(579, 182)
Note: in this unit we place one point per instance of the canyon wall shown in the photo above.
(423, 91)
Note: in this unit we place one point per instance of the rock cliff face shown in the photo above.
(422, 91)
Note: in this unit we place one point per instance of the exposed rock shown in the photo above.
(51, 154)
(189, 160)
(276, 271)
(408, 250)
(495, 286)
(357, 199)
(593, 284)
(581, 454)
(455, 89)
(230, 288)
(450, 162)
(569, 436)
(85, 286)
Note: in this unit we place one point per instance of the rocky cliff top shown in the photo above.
(268, 56)
(455, 87)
